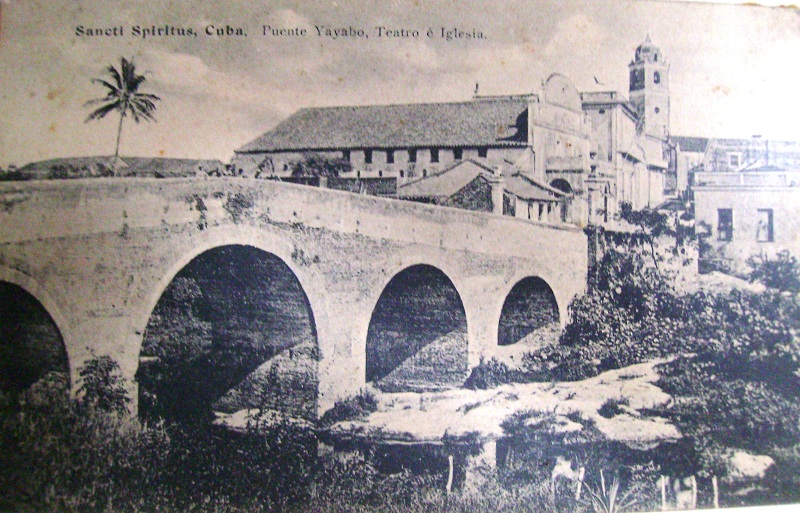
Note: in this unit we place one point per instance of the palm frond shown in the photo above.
(148, 96)
(106, 99)
(603, 499)
(112, 89)
(116, 76)
(135, 82)
(102, 111)
(129, 77)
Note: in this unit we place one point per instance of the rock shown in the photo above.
(743, 465)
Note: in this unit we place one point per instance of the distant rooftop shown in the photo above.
(496, 121)
(457, 176)
(83, 167)
(446, 183)
(691, 144)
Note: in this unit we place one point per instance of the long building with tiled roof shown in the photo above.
(596, 149)
(490, 122)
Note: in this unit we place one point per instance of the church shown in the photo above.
(555, 155)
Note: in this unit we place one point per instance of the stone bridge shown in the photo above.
(353, 287)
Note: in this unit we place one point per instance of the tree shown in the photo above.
(313, 164)
(123, 96)
(102, 385)
(781, 272)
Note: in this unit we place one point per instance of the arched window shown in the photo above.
(656, 77)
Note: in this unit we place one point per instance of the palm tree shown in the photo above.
(124, 97)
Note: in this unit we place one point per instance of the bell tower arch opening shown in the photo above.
(562, 185)
(33, 356)
(417, 336)
(232, 331)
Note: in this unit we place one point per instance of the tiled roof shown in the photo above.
(456, 177)
(483, 122)
(446, 183)
(527, 188)
(692, 144)
(76, 167)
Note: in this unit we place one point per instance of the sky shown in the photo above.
(733, 70)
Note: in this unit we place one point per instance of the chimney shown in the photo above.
(498, 187)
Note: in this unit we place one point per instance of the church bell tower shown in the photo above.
(649, 89)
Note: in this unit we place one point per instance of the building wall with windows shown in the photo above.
(728, 155)
(740, 215)
(628, 166)
(403, 163)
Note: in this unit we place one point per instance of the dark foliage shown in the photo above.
(352, 408)
(613, 407)
(12, 175)
(781, 272)
(102, 385)
(314, 164)
(67, 455)
(734, 357)
(493, 373)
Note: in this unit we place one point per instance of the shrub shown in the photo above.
(491, 374)
(781, 272)
(356, 407)
(67, 456)
(613, 407)
(102, 385)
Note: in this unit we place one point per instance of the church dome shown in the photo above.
(647, 51)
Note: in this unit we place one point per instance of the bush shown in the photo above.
(493, 373)
(781, 272)
(734, 369)
(67, 456)
(102, 385)
(356, 407)
(613, 407)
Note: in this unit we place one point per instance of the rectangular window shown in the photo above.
(367, 156)
(725, 224)
(482, 152)
(412, 155)
(390, 156)
(346, 155)
(434, 154)
(765, 227)
(458, 153)
(734, 160)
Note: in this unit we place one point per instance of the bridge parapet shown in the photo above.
(44, 209)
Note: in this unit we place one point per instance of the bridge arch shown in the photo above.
(417, 332)
(245, 312)
(32, 342)
(311, 281)
(528, 304)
